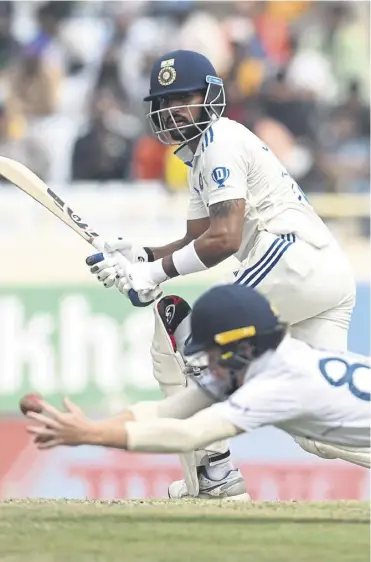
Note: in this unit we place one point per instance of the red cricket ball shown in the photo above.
(31, 403)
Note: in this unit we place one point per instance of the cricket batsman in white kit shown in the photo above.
(256, 375)
(242, 203)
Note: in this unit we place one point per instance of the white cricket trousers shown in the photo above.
(312, 288)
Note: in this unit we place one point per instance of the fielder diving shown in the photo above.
(253, 374)
(243, 203)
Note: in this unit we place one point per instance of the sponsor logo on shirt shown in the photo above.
(220, 175)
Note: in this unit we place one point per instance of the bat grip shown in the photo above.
(98, 244)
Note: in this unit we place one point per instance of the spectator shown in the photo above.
(273, 31)
(309, 73)
(33, 89)
(354, 106)
(291, 70)
(340, 31)
(346, 154)
(109, 75)
(146, 39)
(281, 102)
(47, 42)
(109, 72)
(17, 144)
(104, 152)
(9, 47)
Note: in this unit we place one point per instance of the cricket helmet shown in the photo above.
(237, 319)
(178, 73)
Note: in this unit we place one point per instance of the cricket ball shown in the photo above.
(31, 403)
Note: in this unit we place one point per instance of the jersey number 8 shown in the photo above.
(338, 372)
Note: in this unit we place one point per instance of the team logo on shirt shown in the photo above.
(220, 175)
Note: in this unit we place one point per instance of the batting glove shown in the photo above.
(144, 278)
(105, 265)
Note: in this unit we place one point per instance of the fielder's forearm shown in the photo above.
(167, 435)
(178, 436)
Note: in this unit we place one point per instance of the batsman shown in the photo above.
(242, 203)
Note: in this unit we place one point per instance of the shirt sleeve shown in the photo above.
(196, 207)
(183, 404)
(226, 172)
(170, 435)
(261, 403)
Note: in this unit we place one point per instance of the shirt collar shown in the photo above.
(258, 365)
(185, 153)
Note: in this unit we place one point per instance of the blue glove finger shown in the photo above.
(95, 258)
(134, 299)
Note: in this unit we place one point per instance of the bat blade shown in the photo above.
(30, 183)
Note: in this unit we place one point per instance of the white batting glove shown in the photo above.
(105, 269)
(105, 266)
(130, 251)
(144, 278)
(141, 298)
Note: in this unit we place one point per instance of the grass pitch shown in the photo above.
(173, 531)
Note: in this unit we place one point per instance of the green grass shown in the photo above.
(173, 531)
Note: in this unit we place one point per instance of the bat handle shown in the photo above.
(98, 244)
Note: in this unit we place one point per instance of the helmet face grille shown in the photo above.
(163, 121)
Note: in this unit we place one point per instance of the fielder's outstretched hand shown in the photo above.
(71, 427)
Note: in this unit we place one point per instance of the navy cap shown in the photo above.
(227, 308)
(180, 72)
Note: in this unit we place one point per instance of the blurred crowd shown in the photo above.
(73, 75)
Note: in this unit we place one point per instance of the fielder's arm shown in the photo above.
(178, 436)
(167, 435)
(73, 427)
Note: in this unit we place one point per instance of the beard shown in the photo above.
(187, 130)
(185, 133)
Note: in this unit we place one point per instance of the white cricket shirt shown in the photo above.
(306, 392)
(232, 163)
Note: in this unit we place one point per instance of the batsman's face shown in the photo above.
(180, 112)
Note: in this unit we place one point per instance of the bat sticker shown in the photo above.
(76, 218)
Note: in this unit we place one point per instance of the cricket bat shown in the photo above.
(30, 183)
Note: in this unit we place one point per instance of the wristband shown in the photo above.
(149, 253)
(158, 274)
(187, 261)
